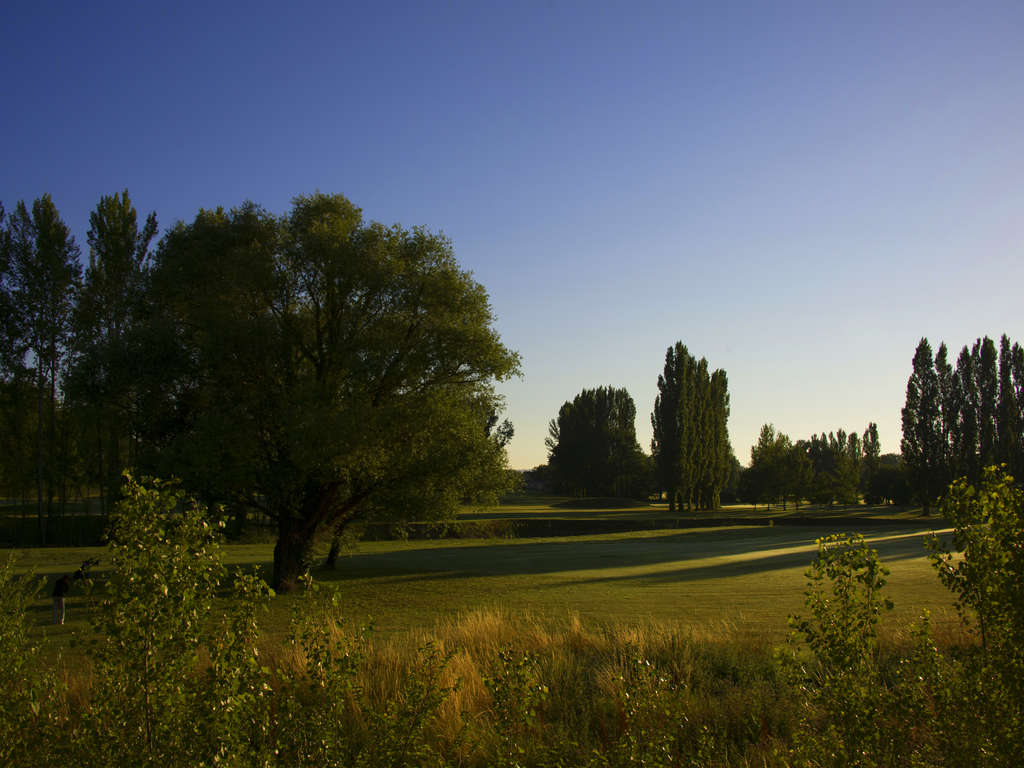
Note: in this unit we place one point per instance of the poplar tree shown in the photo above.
(869, 467)
(7, 329)
(965, 437)
(690, 442)
(986, 370)
(667, 422)
(1007, 428)
(719, 446)
(45, 276)
(922, 431)
(105, 374)
(1011, 415)
(948, 410)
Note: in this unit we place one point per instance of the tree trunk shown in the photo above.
(39, 454)
(335, 550)
(296, 532)
(291, 553)
(102, 479)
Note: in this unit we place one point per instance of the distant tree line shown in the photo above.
(593, 450)
(837, 467)
(958, 420)
(311, 367)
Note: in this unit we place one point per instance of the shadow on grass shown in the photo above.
(737, 552)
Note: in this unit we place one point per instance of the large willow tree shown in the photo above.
(322, 369)
(690, 444)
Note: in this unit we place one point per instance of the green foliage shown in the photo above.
(32, 711)
(592, 447)
(849, 713)
(235, 696)
(959, 420)
(690, 442)
(324, 714)
(151, 704)
(517, 696)
(872, 461)
(652, 716)
(324, 370)
(922, 433)
(40, 283)
(987, 577)
(103, 381)
(314, 703)
(777, 469)
(173, 683)
(399, 730)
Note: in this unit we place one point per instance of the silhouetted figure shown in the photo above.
(60, 589)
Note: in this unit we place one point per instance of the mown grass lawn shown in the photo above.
(721, 581)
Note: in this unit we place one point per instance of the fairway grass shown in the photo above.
(729, 580)
(722, 582)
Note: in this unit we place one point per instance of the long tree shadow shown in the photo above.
(890, 549)
(736, 552)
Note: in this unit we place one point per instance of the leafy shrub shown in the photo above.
(172, 686)
(517, 695)
(987, 576)
(32, 711)
(849, 717)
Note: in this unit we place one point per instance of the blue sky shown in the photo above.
(798, 191)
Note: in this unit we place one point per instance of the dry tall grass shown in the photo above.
(729, 675)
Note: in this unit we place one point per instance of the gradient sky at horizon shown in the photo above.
(798, 191)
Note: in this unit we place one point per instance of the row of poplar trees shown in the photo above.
(958, 420)
(690, 443)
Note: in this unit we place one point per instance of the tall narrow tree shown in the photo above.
(965, 439)
(948, 411)
(1008, 422)
(1016, 366)
(45, 276)
(872, 453)
(690, 440)
(667, 424)
(105, 374)
(922, 430)
(987, 372)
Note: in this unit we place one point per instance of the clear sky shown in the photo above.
(797, 191)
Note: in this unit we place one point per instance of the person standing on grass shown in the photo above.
(60, 589)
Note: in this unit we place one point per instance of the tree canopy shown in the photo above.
(592, 446)
(322, 369)
(690, 444)
(39, 278)
(958, 420)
